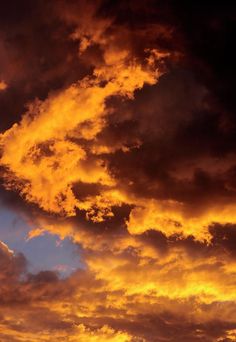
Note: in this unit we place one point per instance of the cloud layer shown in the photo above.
(118, 131)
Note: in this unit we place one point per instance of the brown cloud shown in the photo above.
(125, 293)
(118, 131)
(52, 128)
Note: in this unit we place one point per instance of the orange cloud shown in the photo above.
(172, 217)
(129, 283)
(42, 160)
(3, 85)
(119, 173)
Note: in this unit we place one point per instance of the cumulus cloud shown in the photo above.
(52, 129)
(125, 292)
(118, 132)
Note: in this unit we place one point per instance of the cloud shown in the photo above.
(3, 85)
(130, 296)
(45, 148)
(60, 132)
(118, 131)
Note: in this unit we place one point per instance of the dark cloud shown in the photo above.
(36, 56)
(172, 143)
(35, 296)
(225, 237)
(12, 266)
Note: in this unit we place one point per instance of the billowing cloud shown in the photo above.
(118, 132)
(51, 129)
(126, 292)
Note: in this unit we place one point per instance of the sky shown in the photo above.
(117, 171)
(46, 251)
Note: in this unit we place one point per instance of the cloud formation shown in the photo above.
(52, 131)
(118, 132)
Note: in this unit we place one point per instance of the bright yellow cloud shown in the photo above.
(172, 217)
(42, 157)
